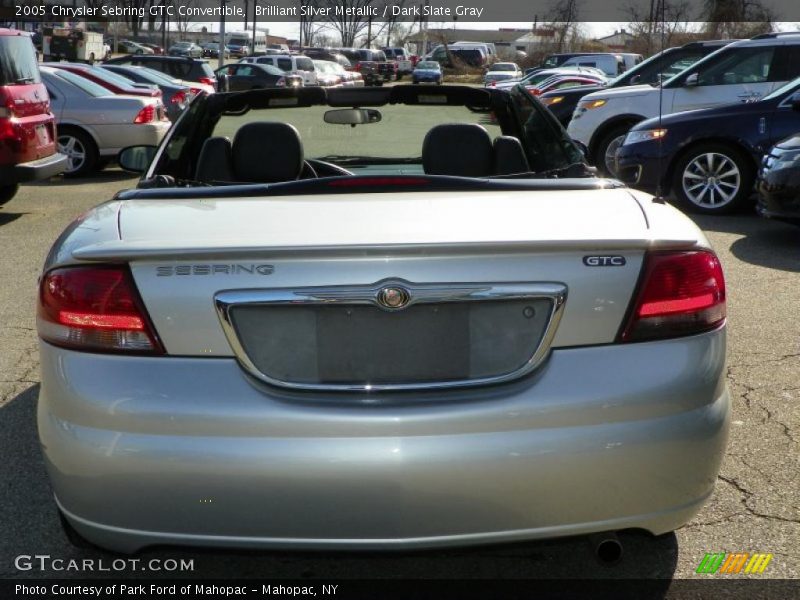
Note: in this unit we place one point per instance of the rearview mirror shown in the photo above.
(136, 159)
(692, 80)
(352, 116)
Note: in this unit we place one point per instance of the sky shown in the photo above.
(290, 30)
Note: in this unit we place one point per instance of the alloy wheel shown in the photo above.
(75, 151)
(610, 157)
(711, 180)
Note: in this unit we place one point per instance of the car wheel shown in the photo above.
(7, 192)
(80, 150)
(713, 179)
(607, 148)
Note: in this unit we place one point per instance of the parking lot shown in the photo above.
(755, 507)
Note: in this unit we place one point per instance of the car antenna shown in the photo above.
(659, 197)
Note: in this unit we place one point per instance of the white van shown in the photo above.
(292, 64)
(610, 64)
(487, 47)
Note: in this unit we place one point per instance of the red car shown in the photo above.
(155, 48)
(111, 81)
(558, 82)
(27, 127)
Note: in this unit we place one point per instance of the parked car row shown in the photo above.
(701, 135)
(740, 71)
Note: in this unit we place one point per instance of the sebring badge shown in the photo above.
(393, 297)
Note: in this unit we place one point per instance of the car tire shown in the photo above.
(604, 154)
(7, 192)
(713, 179)
(80, 150)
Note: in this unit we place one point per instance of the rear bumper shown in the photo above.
(191, 451)
(34, 170)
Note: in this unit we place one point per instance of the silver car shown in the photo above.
(94, 124)
(458, 338)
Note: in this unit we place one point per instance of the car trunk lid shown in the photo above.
(223, 277)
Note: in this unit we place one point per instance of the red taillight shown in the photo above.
(178, 97)
(357, 67)
(94, 308)
(208, 81)
(146, 115)
(681, 293)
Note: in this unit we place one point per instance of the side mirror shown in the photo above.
(692, 80)
(796, 102)
(136, 159)
(223, 83)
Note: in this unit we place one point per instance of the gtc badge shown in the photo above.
(393, 297)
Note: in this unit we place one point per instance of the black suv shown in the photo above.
(179, 67)
(658, 67)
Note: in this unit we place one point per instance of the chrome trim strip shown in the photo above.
(226, 300)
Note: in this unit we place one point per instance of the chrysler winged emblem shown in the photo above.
(393, 297)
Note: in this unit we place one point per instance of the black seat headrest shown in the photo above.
(266, 152)
(509, 156)
(462, 149)
(215, 163)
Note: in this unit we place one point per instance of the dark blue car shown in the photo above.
(708, 159)
(427, 71)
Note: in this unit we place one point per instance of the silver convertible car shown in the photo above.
(459, 337)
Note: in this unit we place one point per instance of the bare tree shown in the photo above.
(353, 20)
(563, 19)
(182, 23)
(737, 18)
(660, 20)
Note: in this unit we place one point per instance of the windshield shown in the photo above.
(90, 87)
(786, 88)
(504, 67)
(18, 61)
(183, 44)
(237, 41)
(404, 115)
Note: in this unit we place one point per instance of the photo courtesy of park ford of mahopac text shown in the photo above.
(526, 330)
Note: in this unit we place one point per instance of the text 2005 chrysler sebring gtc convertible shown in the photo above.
(453, 335)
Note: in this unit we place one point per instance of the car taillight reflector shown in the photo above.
(178, 97)
(207, 81)
(681, 293)
(94, 309)
(146, 115)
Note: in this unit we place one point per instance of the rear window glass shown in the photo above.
(90, 87)
(285, 64)
(304, 63)
(207, 70)
(18, 61)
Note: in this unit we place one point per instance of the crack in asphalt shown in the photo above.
(747, 495)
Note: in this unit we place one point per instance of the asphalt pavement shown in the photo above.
(755, 506)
